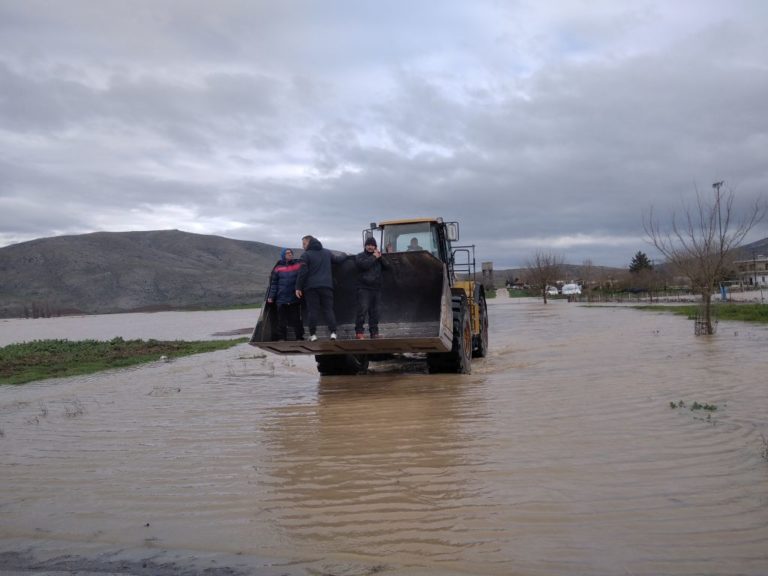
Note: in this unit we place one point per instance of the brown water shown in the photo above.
(559, 455)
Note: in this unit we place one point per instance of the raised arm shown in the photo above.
(339, 258)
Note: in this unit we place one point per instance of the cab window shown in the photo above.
(410, 237)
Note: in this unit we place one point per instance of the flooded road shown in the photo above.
(559, 455)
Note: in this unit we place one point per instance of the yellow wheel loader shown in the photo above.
(431, 305)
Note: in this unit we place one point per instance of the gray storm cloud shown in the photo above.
(535, 126)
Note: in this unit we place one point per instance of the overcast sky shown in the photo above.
(549, 125)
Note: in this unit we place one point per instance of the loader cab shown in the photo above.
(430, 235)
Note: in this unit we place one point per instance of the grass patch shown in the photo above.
(741, 312)
(40, 359)
(523, 293)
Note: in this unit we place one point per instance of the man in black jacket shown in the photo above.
(369, 266)
(315, 283)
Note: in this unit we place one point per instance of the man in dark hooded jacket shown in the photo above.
(315, 284)
(369, 268)
(282, 292)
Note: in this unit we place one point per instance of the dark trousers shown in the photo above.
(289, 314)
(320, 300)
(368, 304)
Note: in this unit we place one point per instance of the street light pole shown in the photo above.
(754, 268)
(754, 273)
(717, 186)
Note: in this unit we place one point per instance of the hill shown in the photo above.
(758, 248)
(108, 272)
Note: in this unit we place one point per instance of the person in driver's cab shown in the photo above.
(414, 245)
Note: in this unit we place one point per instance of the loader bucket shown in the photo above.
(415, 313)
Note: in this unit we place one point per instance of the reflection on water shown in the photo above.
(375, 467)
(560, 454)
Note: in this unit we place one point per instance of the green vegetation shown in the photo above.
(515, 293)
(705, 406)
(695, 406)
(639, 263)
(20, 363)
(742, 312)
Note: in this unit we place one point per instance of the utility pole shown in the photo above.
(717, 186)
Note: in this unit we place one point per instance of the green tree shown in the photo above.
(640, 262)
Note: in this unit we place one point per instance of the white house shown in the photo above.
(753, 271)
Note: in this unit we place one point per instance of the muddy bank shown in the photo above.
(559, 454)
(135, 563)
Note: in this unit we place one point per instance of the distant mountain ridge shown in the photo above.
(758, 248)
(106, 272)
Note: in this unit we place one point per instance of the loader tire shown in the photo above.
(481, 340)
(342, 364)
(459, 359)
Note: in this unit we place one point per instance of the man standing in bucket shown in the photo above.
(369, 279)
(315, 283)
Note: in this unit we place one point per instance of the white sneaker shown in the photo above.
(333, 335)
(313, 338)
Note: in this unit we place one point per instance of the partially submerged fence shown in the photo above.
(701, 326)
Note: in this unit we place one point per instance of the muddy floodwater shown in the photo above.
(559, 455)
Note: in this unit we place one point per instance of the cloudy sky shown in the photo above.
(550, 125)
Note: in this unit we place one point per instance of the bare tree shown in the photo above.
(701, 243)
(587, 273)
(543, 269)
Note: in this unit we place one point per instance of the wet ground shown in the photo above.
(560, 454)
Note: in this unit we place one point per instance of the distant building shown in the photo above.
(753, 271)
